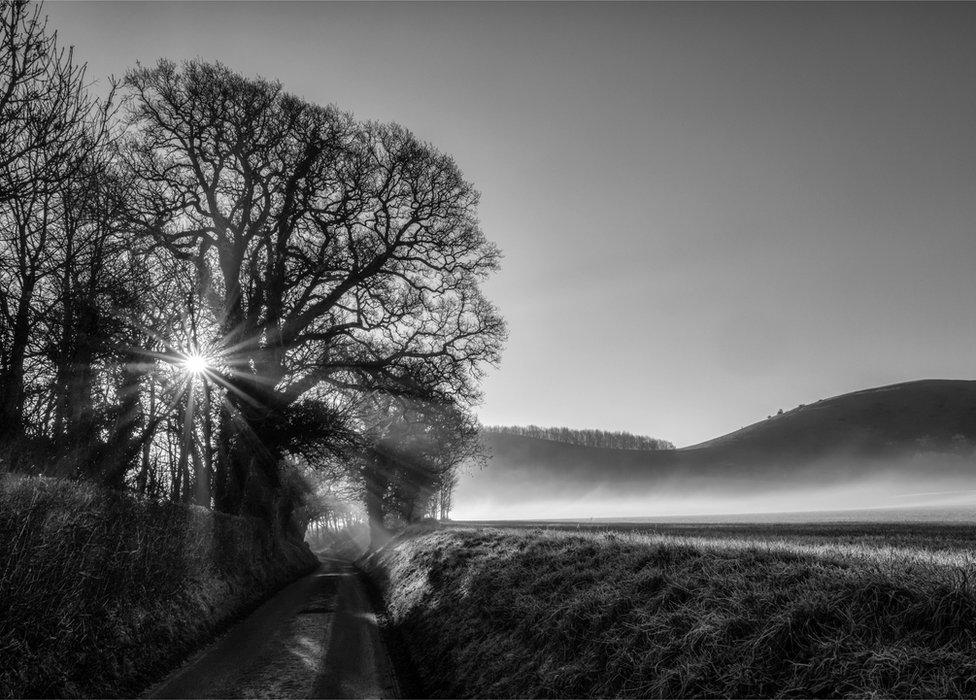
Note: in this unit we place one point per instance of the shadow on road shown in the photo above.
(317, 638)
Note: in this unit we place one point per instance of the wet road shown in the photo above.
(317, 638)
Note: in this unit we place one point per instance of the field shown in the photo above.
(687, 610)
(923, 540)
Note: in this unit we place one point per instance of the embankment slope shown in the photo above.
(503, 613)
(101, 593)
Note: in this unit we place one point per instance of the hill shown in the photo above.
(935, 413)
(861, 449)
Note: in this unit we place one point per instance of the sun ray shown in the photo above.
(219, 379)
(196, 363)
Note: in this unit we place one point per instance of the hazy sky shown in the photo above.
(708, 212)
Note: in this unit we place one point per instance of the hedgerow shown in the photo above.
(100, 593)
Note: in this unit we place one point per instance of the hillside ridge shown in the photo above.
(961, 393)
(902, 438)
(968, 386)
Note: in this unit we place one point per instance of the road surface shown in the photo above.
(317, 638)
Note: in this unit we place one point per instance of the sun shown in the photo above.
(196, 364)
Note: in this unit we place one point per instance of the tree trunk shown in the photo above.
(12, 383)
(124, 444)
(376, 485)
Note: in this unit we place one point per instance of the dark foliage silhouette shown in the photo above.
(610, 439)
(221, 286)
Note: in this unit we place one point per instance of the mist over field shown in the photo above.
(891, 494)
(905, 449)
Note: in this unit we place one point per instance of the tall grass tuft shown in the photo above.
(498, 613)
(100, 593)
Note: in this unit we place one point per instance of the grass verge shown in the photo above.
(101, 593)
(505, 613)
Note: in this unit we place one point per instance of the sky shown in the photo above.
(708, 211)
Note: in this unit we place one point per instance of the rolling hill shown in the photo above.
(857, 446)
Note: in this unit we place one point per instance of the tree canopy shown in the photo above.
(222, 282)
(335, 258)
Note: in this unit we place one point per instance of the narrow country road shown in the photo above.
(317, 638)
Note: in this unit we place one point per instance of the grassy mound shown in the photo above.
(499, 613)
(101, 593)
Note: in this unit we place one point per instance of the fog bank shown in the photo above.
(911, 489)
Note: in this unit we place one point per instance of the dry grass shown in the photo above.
(100, 593)
(543, 613)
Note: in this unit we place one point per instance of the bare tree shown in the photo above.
(49, 129)
(333, 257)
(412, 449)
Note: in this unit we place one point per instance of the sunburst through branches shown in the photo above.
(196, 363)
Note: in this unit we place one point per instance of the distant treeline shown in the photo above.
(611, 439)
